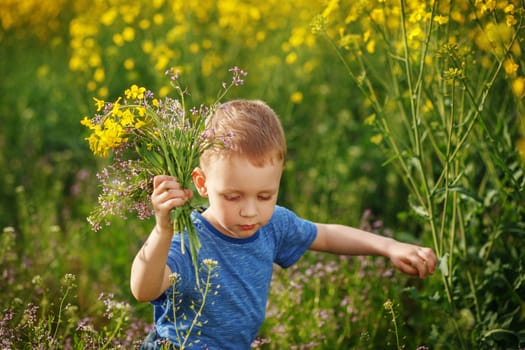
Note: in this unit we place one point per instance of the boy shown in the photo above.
(245, 232)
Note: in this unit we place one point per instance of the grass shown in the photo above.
(66, 287)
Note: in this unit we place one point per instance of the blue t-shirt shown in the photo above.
(235, 306)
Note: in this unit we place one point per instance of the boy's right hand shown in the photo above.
(167, 194)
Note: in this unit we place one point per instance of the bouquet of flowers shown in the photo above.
(147, 136)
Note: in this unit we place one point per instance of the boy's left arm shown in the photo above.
(346, 240)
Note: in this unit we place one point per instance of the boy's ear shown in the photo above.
(199, 180)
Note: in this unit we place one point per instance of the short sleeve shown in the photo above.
(294, 236)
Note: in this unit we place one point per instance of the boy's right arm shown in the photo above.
(149, 272)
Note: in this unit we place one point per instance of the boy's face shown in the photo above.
(241, 196)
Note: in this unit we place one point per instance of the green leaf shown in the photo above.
(419, 209)
(462, 191)
(443, 265)
(152, 158)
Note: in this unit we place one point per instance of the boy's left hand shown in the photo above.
(413, 259)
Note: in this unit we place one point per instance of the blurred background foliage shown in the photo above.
(57, 55)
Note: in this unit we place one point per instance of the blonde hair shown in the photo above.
(249, 128)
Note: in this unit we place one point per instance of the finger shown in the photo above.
(177, 193)
(429, 259)
(157, 180)
(162, 180)
(408, 268)
(416, 266)
(165, 198)
(175, 202)
(423, 269)
(166, 202)
(167, 185)
(174, 196)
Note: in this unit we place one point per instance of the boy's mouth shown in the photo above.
(247, 227)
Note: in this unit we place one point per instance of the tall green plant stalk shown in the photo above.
(410, 158)
(430, 111)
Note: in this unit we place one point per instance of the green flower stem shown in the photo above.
(198, 314)
(389, 306)
(60, 310)
(204, 292)
(182, 222)
(120, 322)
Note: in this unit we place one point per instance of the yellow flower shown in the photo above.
(164, 91)
(147, 46)
(76, 63)
(162, 62)
(520, 146)
(157, 4)
(135, 92)
(509, 8)
(207, 44)
(116, 107)
(99, 103)
(441, 20)
(428, 106)
(127, 118)
(371, 46)
(331, 7)
(128, 34)
(129, 64)
(42, 71)
(291, 58)
(144, 24)
(453, 74)
(87, 122)
(487, 6)
(194, 48)
(419, 14)
(415, 33)
(111, 136)
(158, 19)
(366, 36)
(99, 75)
(378, 16)
(105, 138)
(510, 66)
(260, 36)
(297, 97)
(103, 91)
(518, 86)
(108, 18)
(141, 111)
(297, 37)
(94, 60)
(511, 20)
(318, 24)
(118, 39)
(376, 139)
(370, 120)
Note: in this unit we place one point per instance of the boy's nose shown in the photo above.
(249, 209)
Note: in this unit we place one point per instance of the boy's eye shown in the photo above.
(265, 198)
(231, 197)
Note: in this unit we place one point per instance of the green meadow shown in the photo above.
(404, 118)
